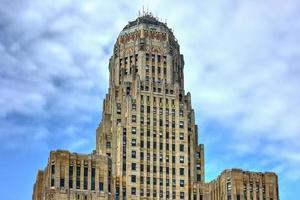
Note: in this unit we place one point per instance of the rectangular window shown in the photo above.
(153, 57)
(182, 171)
(133, 130)
(133, 106)
(93, 178)
(181, 183)
(70, 176)
(181, 159)
(133, 142)
(133, 166)
(133, 178)
(62, 183)
(198, 177)
(133, 118)
(181, 136)
(181, 124)
(52, 169)
(108, 144)
(78, 177)
(133, 191)
(133, 154)
(52, 182)
(181, 147)
(165, 60)
(85, 178)
(181, 195)
(181, 113)
(101, 186)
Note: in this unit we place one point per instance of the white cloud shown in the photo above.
(243, 56)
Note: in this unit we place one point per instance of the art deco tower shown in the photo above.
(147, 142)
(148, 124)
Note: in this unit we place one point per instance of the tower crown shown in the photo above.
(148, 19)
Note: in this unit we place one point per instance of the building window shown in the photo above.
(133, 142)
(181, 159)
(133, 154)
(78, 177)
(62, 183)
(153, 57)
(53, 169)
(181, 136)
(181, 113)
(182, 195)
(198, 177)
(93, 178)
(133, 130)
(173, 182)
(181, 147)
(181, 183)
(101, 186)
(133, 118)
(133, 166)
(133, 191)
(133, 106)
(108, 145)
(133, 178)
(174, 195)
(165, 60)
(181, 171)
(70, 176)
(85, 178)
(181, 124)
(160, 157)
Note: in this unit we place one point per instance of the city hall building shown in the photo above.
(147, 142)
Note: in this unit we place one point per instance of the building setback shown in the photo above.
(147, 142)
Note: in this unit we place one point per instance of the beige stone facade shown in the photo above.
(236, 184)
(74, 176)
(147, 138)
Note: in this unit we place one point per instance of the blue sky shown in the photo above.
(241, 66)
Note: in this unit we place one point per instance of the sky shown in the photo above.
(242, 68)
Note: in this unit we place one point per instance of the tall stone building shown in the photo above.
(147, 142)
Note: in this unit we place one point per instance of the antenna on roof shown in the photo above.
(143, 11)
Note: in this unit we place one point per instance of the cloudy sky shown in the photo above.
(242, 67)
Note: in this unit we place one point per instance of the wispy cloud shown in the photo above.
(242, 68)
